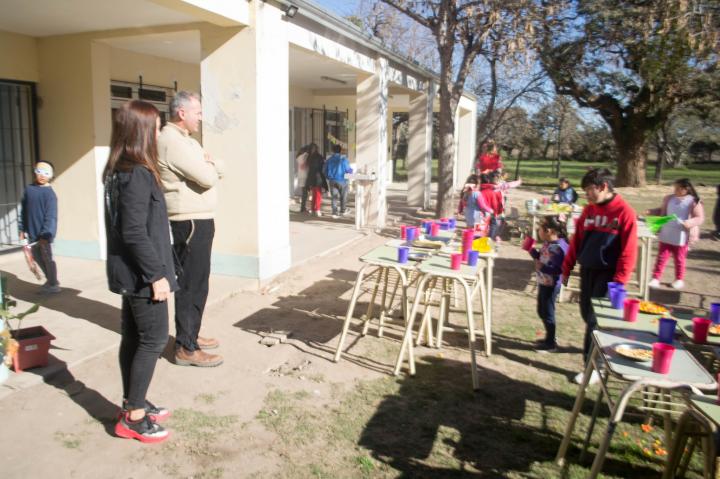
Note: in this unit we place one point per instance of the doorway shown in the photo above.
(18, 153)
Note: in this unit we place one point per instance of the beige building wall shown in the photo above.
(128, 66)
(18, 57)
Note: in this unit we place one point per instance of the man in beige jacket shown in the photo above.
(189, 178)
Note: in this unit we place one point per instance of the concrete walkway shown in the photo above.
(85, 316)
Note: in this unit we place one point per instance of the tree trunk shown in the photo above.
(632, 157)
(660, 152)
(446, 139)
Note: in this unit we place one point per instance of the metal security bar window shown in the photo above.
(18, 153)
(122, 91)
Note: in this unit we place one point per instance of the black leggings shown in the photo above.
(144, 336)
(593, 284)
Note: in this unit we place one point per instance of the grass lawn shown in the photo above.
(539, 173)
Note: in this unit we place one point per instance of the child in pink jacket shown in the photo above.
(676, 237)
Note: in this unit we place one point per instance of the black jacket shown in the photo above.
(139, 251)
(315, 175)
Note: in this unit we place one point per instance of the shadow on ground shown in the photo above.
(68, 302)
(436, 426)
(95, 404)
(314, 320)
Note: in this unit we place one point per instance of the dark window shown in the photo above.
(152, 95)
(119, 91)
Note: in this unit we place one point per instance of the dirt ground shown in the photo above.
(289, 411)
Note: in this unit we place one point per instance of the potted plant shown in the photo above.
(22, 347)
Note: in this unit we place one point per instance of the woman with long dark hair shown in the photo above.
(140, 264)
(315, 182)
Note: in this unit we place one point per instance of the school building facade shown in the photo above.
(273, 75)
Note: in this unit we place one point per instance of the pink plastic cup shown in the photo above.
(528, 243)
(403, 232)
(631, 308)
(700, 330)
(545, 201)
(662, 357)
(434, 229)
(455, 261)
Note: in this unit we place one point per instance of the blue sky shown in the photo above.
(339, 7)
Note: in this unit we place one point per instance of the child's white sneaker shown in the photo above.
(594, 378)
(678, 284)
(654, 283)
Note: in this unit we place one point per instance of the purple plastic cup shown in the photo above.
(715, 312)
(445, 225)
(666, 330)
(403, 253)
(617, 297)
(612, 285)
(452, 222)
(472, 257)
(411, 234)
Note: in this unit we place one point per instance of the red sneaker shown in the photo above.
(143, 430)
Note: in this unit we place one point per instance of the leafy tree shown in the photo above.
(632, 61)
(462, 30)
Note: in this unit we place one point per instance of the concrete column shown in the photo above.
(420, 131)
(244, 83)
(372, 141)
(465, 135)
(67, 131)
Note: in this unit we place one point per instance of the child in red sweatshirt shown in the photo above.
(494, 199)
(605, 245)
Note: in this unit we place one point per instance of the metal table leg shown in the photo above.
(351, 309)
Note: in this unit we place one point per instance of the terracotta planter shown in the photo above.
(33, 347)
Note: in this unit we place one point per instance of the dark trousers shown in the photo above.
(303, 199)
(338, 189)
(546, 298)
(144, 336)
(192, 241)
(42, 253)
(593, 284)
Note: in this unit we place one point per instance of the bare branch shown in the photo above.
(410, 13)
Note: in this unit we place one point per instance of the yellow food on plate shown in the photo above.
(714, 330)
(638, 354)
(428, 244)
(652, 308)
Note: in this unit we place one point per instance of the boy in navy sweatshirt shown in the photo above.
(38, 223)
(605, 245)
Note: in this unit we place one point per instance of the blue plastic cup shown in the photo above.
(617, 297)
(411, 234)
(472, 257)
(612, 285)
(403, 253)
(715, 312)
(452, 222)
(444, 225)
(666, 331)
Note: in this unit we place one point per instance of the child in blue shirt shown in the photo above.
(38, 223)
(335, 169)
(548, 268)
(565, 193)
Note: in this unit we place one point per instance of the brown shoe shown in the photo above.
(199, 358)
(207, 343)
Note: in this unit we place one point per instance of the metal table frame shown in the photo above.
(471, 279)
(638, 379)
